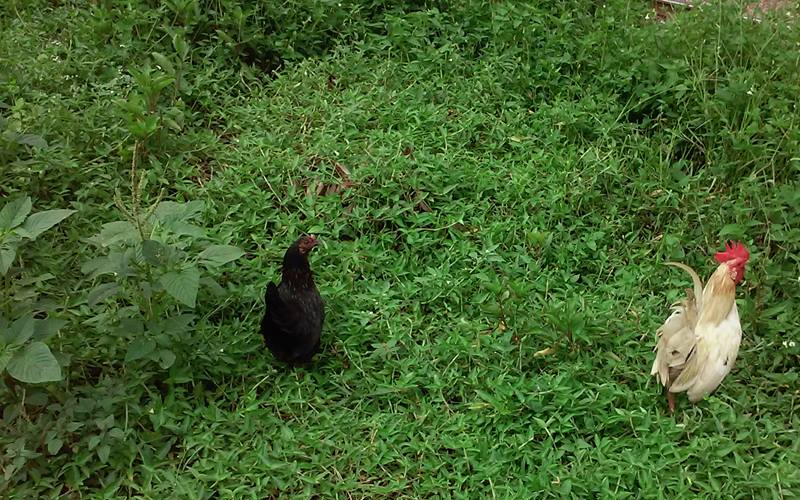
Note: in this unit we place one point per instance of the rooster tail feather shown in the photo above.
(696, 282)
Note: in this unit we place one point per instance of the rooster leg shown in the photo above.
(671, 401)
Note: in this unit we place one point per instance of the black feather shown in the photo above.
(295, 311)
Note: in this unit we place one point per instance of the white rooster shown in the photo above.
(698, 343)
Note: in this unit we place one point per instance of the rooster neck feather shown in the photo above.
(718, 296)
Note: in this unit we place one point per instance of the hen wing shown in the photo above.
(713, 357)
(282, 315)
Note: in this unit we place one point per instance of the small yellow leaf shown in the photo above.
(545, 352)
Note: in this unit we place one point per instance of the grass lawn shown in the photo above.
(488, 180)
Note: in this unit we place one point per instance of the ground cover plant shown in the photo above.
(487, 180)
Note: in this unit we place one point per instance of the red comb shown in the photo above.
(733, 251)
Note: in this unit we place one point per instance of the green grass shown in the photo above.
(562, 154)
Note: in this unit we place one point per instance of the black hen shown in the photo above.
(292, 323)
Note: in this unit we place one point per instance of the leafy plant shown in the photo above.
(23, 351)
(150, 271)
(150, 111)
(18, 225)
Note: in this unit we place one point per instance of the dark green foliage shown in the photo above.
(488, 180)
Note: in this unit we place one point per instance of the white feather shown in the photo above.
(695, 351)
(721, 348)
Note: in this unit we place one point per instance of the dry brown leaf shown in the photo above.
(341, 170)
(423, 207)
